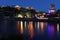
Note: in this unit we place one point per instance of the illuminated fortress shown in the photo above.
(52, 8)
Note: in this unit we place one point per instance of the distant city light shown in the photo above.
(44, 13)
(17, 7)
(51, 11)
(19, 15)
(29, 7)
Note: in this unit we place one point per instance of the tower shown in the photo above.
(52, 8)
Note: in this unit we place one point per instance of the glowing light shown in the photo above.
(51, 30)
(42, 26)
(17, 7)
(38, 27)
(28, 14)
(19, 15)
(31, 29)
(42, 16)
(44, 13)
(58, 27)
(21, 28)
(51, 11)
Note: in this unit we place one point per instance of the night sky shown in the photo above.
(41, 5)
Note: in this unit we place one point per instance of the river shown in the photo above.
(31, 30)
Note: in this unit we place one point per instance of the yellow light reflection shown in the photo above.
(38, 26)
(17, 24)
(42, 26)
(58, 27)
(31, 29)
(21, 27)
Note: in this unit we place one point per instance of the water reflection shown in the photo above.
(57, 27)
(5, 23)
(17, 28)
(25, 24)
(42, 26)
(30, 28)
(4, 26)
(51, 30)
(38, 27)
(20, 27)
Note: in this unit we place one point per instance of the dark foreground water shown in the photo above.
(19, 30)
